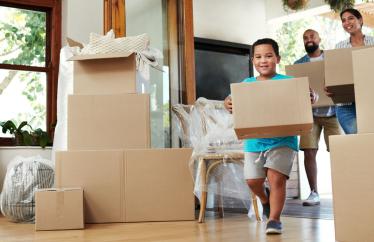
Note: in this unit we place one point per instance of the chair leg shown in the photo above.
(202, 206)
(255, 207)
(220, 207)
(220, 197)
(203, 189)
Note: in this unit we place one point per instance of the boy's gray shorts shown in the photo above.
(279, 159)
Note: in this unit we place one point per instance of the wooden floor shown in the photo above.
(234, 227)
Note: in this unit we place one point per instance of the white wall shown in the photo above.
(240, 21)
(80, 18)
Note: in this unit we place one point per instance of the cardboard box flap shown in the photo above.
(100, 56)
(55, 189)
(74, 43)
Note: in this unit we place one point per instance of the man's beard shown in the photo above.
(311, 48)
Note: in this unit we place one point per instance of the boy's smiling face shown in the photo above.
(265, 60)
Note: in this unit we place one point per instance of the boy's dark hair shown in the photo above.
(266, 41)
(352, 11)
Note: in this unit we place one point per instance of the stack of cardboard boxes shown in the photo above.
(352, 158)
(109, 154)
(348, 74)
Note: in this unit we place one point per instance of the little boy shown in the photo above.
(270, 158)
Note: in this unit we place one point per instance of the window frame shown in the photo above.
(52, 8)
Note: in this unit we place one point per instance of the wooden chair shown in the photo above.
(207, 162)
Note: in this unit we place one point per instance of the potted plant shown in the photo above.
(24, 134)
(336, 5)
(295, 4)
(339, 5)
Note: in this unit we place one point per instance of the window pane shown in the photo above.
(158, 85)
(23, 97)
(22, 36)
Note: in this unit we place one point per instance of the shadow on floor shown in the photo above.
(293, 208)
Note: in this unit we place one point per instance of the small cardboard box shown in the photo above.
(364, 85)
(315, 71)
(352, 182)
(103, 73)
(272, 108)
(58, 209)
(339, 74)
(130, 185)
(97, 122)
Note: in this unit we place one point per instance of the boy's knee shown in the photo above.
(276, 178)
(252, 183)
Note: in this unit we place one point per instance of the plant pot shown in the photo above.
(18, 140)
(295, 4)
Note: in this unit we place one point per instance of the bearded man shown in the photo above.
(324, 119)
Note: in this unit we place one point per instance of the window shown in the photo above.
(30, 41)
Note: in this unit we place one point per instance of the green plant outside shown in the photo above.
(23, 41)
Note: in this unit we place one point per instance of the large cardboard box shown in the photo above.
(130, 185)
(339, 74)
(352, 182)
(315, 71)
(58, 209)
(97, 122)
(158, 185)
(364, 85)
(272, 108)
(104, 73)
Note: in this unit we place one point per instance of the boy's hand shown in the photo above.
(228, 103)
(329, 94)
(313, 96)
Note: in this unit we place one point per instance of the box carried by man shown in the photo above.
(315, 71)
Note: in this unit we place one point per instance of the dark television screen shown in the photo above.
(219, 63)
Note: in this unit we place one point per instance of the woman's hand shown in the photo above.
(228, 103)
(329, 94)
(313, 96)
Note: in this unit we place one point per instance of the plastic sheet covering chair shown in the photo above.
(207, 127)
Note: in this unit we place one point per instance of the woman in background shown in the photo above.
(352, 22)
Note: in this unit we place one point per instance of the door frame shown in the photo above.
(181, 44)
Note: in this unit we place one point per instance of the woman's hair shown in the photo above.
(266, 41)
(352, 11)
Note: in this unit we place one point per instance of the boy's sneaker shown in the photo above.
(273, 227)
(266, 206)
(312, 200)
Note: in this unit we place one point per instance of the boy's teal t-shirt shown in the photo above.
(263, 144)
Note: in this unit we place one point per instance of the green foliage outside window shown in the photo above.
(23, 42)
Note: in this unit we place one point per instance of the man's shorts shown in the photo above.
(330, 126)
(279, 159)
